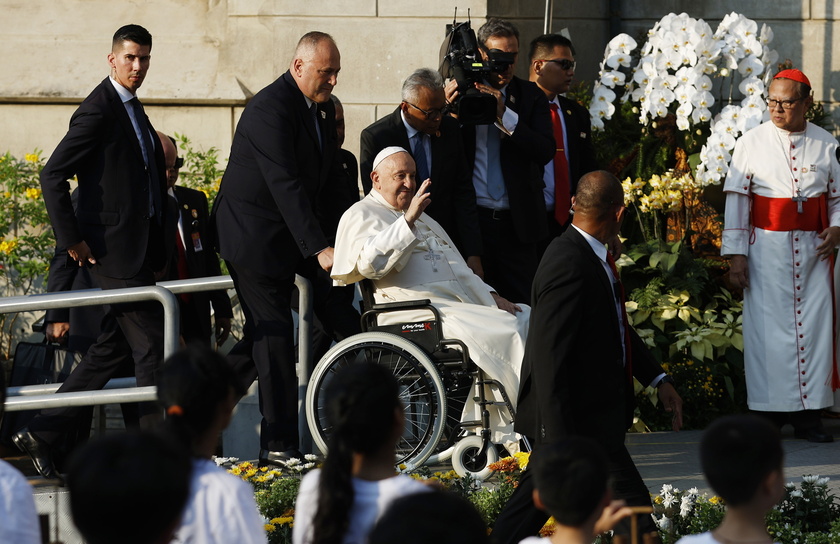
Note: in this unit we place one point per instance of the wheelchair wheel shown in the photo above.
(467, 458)
(421, 391)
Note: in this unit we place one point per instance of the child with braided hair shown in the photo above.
(340, 502)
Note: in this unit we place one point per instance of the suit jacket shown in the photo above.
(200, 258)
(452, 191)
(102, 150)
(573, 381)
(278, 186)
(523, 157)
(579, 136)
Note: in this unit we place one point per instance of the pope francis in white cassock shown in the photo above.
(387, 238)
(781, 228)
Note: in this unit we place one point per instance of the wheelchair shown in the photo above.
(436, 379)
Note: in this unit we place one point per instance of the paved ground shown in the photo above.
(673, 458)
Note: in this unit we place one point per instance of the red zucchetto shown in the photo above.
(793, 74)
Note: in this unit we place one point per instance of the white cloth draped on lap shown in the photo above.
(374, 241)
(788, 307)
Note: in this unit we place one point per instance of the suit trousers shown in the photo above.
(267, 351)
(129, 331)
(520, 518)
(509, 264)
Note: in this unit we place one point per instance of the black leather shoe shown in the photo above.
(39, 452)
(814, 435)
(279, 458)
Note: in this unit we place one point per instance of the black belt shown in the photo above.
(497, 215)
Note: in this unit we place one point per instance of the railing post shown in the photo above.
(305, 317)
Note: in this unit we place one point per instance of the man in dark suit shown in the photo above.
(118, 229)
(276, 194)
(552, 69)
(507, 160)
(194, 257)
(582, 355)
(419, 123)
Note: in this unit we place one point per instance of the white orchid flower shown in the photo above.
(766, 35)
(612, 78)
(701, 115)
(623, 43)
(751, 66)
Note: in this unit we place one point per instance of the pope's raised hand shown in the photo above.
(419, 202)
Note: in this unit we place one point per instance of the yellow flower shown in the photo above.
(523, 457)
(269, 528)
(548, 529)
(33, 193)
(285, 520)
(715, 500)
(7, 246)
(31, 157)
(7, 194)
(236, 471)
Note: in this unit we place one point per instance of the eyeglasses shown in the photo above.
(786, 104)
(431, 114)
(564, 64)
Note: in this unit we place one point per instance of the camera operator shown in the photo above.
(507, 160)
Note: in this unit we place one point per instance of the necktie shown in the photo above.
(314, 109)
(562, 188)
(495, 180)
(151, 166)
(619, 293)
(420, 158)
(183, 271)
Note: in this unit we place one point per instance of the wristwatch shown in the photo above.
(666, 379)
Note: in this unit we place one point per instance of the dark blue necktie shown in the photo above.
(151, 166)
(420, 158)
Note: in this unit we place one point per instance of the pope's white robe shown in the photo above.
(374, 241)
(789, 305)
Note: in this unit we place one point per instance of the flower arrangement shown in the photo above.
(808, 514)
(672, 76)
(275, 491)
(692, 325)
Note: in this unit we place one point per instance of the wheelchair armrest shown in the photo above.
(405, 305)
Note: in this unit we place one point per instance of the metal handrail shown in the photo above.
(124, 389)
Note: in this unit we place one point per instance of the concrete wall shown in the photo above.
(210, 55)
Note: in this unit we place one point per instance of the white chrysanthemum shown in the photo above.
(686, 505)
(810, 478)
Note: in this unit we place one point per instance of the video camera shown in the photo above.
(460, 59)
